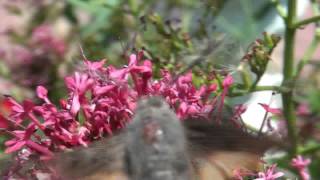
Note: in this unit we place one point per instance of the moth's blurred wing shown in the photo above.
(6, 161)
(221, 165)
(102, 160)
(218, 150)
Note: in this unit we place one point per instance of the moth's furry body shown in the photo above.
(156, 146)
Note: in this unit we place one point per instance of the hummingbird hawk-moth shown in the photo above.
(158, 146)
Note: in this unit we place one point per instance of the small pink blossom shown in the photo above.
(227, 82)
(44, 36)
(269, 174)
(4, 123)
(301, 165)
(240, 174)
(94, 65)
(237, 112)
(42, 93)
(78, 86)
(275, 111)
(303, 109)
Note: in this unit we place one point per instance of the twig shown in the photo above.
(306, 21)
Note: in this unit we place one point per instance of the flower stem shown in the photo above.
(306, 21)
(278, 89)
(288, 73)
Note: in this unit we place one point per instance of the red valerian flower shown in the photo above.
(101, 100)
(23, 138)
(77, 87)
(227, 82)
(43, 36)
(303, 109)
(269, 174)
(237, 112)
(275, 111)
(301, 165)
(3, 122)
(42, 93)
(240, 174)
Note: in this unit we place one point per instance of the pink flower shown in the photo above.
(301, 165)
(43, 36)
(303, 109)
(227, 82)
(22, 138)
(23, 55)
(240, 174)
(238, 111)
(275, 111)
(94, 65)
(4, 123)
(41, 33)
(42, 93)
(78, 86)
(20, 112)
(269, 174)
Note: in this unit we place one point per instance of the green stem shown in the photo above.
(306, 21)
(278, 89)
(255, 83)
(270, 88)
(288, 73)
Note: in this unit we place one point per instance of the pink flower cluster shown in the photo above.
(301, 164)
(269, 174)
(41, 53)
(102, 100)
(44, 38)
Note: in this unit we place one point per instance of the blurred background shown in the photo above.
(41, 40)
